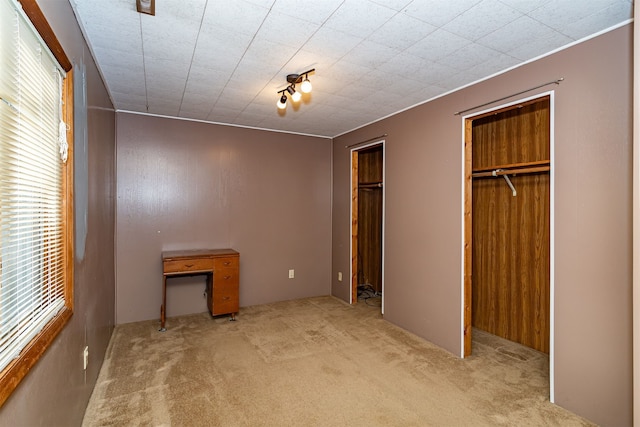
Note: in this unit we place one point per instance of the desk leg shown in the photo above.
(163, 307)
(210, 292)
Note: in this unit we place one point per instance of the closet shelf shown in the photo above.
(512, 169)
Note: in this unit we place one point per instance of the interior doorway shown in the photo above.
(508, 224)
(367, 223)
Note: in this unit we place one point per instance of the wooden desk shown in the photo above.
(222, 268)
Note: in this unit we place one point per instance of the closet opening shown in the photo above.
(367, 225)
(507, 286)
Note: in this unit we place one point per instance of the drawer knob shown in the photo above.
(227, 263)
(188, 265)
(227, 277)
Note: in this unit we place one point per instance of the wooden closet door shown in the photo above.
(511, 235)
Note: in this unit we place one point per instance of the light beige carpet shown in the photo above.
(314, 362)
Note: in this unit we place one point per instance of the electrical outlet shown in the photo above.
(292, 274)
(85, 356)
(339, 276)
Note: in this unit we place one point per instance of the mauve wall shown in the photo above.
(57, 390)
(593, 261)
(184, 185)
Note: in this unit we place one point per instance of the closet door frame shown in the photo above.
(467, 215)
(353, 226)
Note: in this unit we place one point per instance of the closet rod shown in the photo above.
(557, 82)
(364, 142)
(375, 185)
(513, 166)
(500, 172)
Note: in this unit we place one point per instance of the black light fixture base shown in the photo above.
(294, 78)
(297, 78)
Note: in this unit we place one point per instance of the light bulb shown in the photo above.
(282, 102)
(306, 87)
(295, 96)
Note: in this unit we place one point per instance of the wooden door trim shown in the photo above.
(353, 295)
(354, 227)
(468, 241)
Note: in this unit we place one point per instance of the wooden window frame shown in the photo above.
(13, 374)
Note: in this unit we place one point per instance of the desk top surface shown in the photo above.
(198, 253)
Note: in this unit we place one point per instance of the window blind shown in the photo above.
(32, 274)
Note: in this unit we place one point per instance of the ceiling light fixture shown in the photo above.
(306, 87)
(296, 96)
(282, 103)
(146, 6)
(293, 79)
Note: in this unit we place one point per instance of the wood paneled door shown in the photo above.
(507, 224)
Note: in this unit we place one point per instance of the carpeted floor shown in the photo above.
(314, 362)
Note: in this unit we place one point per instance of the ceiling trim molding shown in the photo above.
(187, 119)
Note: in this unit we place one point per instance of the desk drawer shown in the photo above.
(225, 298)
(186, 265)
(227, 263)
(223, 277)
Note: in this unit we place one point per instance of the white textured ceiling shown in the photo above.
(223, 61)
